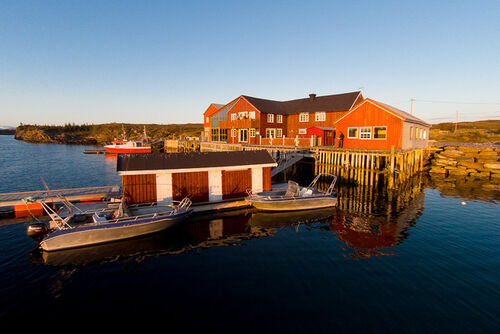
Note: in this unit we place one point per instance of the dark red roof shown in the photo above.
(337, 102)
(191, 160)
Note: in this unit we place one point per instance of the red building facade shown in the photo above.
(315, 121)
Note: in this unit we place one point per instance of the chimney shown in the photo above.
(312, 97)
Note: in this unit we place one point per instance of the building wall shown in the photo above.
(415, 136)
(294, 123)
(242, 105)
(370, 115)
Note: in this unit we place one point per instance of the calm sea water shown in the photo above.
(422, 262)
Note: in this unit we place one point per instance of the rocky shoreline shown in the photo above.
(44, 137)
(480, 162)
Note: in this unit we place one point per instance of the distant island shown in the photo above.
(98, 134)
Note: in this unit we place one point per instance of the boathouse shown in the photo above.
(375, 125)
(203, 176)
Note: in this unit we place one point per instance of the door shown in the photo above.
(243, 135)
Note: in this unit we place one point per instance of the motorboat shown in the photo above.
(129, 146)
(84, 229)
(296, 197)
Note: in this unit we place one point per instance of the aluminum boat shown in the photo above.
(296, 197)
(79, 230)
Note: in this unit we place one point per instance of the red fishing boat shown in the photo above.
(129, 146)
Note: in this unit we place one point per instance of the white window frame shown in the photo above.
(252, 132)
(279, 118)
(269, 131)
(348, 132)
(361, 132)
(425, 134)
(302, 131)
(279, 132)
(304, 117)
(373, 131)
(270, 118)
(234, 132)
(251, 114)
(208, 119)
(233, 117)
(320, 116)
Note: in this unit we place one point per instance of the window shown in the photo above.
(420, 133)
(233, 117)
(425, 134)
(279, 133)
(302, 131)
(270, 118)
(352, 133)
(243, 115)
(208, 119)
(365, 133)
(320, 116)
(233, 132)
(304, 117)
(411, 132)
(379, 132)
(279, 118)
(271, 133)
(251, 114)
(252, 132)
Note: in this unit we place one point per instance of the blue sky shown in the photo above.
(166, 61)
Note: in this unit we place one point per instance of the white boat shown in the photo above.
(296, 197)
(79, 230)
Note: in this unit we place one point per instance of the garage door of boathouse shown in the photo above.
(192, 184)
(235, 183)
(139, 188)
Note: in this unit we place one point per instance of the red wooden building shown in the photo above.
(316, 121)
(203, 176)
(252, 120)
(375, 125)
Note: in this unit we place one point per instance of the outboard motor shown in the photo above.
(36, 229)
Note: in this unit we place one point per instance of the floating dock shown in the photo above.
(13, 205)
(94, 152)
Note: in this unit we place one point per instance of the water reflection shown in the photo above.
(223, 229)
(365, 229)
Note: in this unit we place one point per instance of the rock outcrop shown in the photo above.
(465, 161)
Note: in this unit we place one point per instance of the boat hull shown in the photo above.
(107, 232)
(111, 149)
(293, 204)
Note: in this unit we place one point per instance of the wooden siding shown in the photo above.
(242, 105)
(266, 179)
(294, 124)
(370, 115)
(139, 188)
(235, 183)
(194, 185)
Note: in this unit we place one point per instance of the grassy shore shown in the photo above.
(467, 132)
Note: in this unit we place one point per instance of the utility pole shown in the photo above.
(411, 106)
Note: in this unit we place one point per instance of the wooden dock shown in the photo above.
(360, 166)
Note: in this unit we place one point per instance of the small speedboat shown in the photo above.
(79, 230)
(296, 197)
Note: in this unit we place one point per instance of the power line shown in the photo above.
(455, 102)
